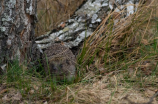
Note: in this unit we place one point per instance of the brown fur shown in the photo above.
(61, 62)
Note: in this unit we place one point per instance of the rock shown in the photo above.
(59, 61)
(81, 25)
(85, 20)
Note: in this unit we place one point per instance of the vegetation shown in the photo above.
(115, 61)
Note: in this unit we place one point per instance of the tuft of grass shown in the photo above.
(14, 71)
(130, 43)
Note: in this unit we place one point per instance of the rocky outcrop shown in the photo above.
(85, 20)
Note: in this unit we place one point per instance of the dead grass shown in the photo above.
(116, 61)
(129, 44)
(110, 89)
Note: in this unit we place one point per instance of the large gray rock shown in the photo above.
(85, 20)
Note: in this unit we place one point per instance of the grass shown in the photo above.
(115, 48)
(113, 63)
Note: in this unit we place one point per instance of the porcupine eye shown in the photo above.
(60, 66)
(53, 67)
(67, 61)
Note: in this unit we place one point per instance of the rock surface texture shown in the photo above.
(85, 20)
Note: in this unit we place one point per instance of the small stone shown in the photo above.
(45, 102)
(35, 87)
(32, 91)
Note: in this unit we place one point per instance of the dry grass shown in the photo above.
(118, 60)
(110, 89)
(130, 44)
(52, 12)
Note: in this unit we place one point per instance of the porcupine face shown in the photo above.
(62, 68)
(61, 62)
